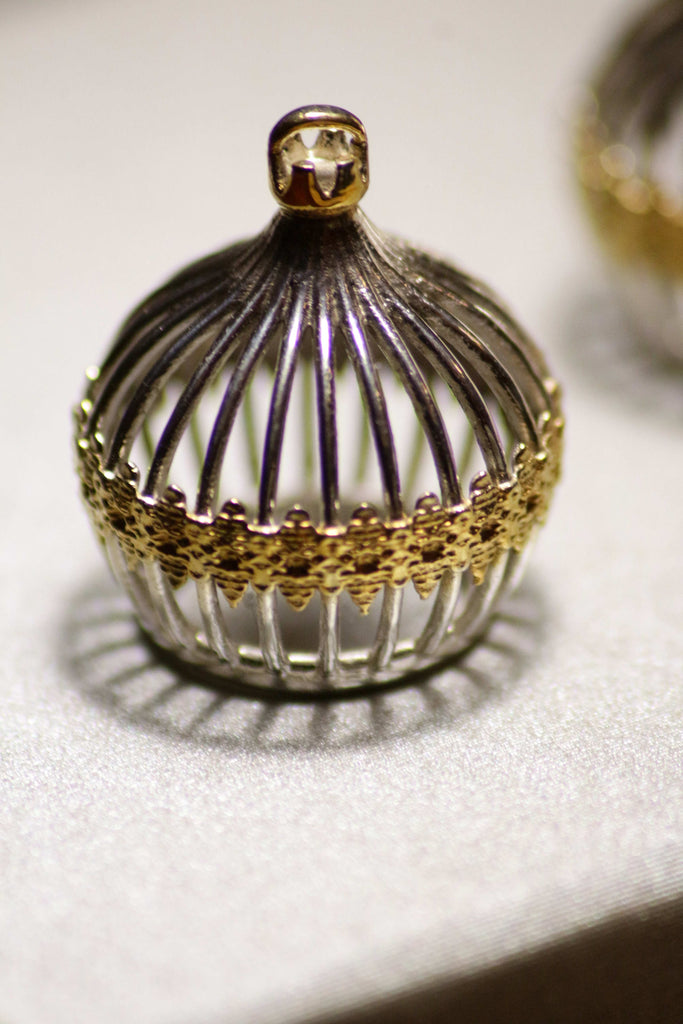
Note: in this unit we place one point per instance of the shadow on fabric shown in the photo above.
(105, 656)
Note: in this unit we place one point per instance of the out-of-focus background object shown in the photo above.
(630, 165)
(503, 841)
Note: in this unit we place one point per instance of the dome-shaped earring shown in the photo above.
(630, 166)
(315, 457)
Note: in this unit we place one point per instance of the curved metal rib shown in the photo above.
(373, 398)
(517, 347)
(234, 393)
(387, 629)
(417, 388)
(494, 375)
(196, 277)
(220, 351)
(464, 390)
(435, 273)
(327, 409)
(182, 348)
(136, 588)
(441, 615)
(492, 372)
(279, 402)
(167, 309)
(114, 376)
(328, 650)
(270, 641)
(159, 373)
(444, 273)
(174, 624)
(458, 381)
(214, 622)
(479, 605)
(156, 323)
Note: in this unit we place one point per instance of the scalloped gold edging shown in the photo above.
(636, 221)
(300, 557)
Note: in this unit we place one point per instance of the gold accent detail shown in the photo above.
(300, 557)
(636, 221)
(324, 179)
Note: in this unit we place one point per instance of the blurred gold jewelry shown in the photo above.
(629, 165)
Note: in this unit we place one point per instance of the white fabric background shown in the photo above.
(172, 857)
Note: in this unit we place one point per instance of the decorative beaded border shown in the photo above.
(301, 557)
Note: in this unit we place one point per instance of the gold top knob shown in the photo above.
(325, 178)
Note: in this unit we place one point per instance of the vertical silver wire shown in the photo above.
(493, 372)
(517, 562)
(474, 297)
(307, 421)
(373, 398)
(529, 363)
(327, 408)
(155, 379)
(176, 627)
(328, 651)
(480, 601)
(463, 389)
(470, 348)
(239, 380)
(277, 411)
(269, 633)
(441, 614)
(214, 622)
(323, 345)
(201, 378)
(133, 344)
(387, 628)
(418, 391)
(137, 590)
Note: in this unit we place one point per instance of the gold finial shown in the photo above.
(326, 178)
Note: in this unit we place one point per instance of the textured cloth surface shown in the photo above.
(502, 842)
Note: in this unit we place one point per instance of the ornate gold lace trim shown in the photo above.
(300, 557)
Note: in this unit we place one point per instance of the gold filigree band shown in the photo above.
(300, 557)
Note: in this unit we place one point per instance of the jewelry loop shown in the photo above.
(328, 177)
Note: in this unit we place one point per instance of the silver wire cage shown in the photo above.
(295, 448)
